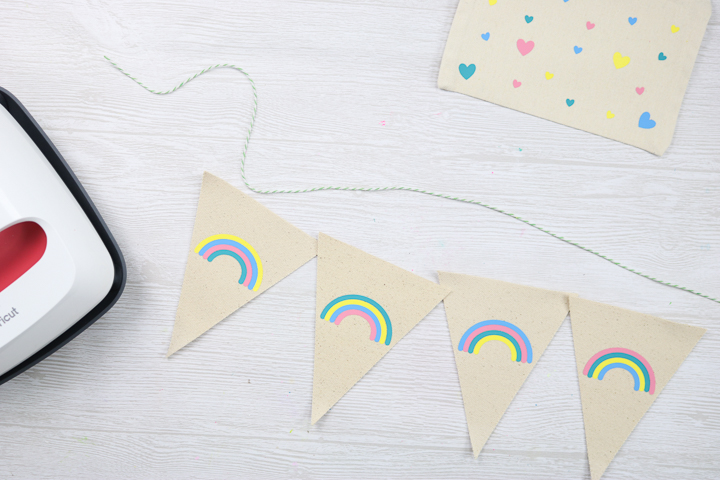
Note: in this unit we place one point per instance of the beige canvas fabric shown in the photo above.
(211, 290)
(490, 378)
(344, 351)
(636, 56)
(611, 407)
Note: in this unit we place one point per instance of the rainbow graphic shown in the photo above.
(369, 309)
(610, 358)
(480, 333)
(252, 269)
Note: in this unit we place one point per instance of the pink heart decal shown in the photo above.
(516, 84)
(590, 25)
(640, 90)
(525, 47)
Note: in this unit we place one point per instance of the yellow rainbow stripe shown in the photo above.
(507, 342)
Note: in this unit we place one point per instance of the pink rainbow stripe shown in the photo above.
(359, 313)
(629, 352)
(513, 333)
(248, 265)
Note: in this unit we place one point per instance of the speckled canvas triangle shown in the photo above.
(239, 249)
(365, 306)
(499, 331)
(624, 360)
(616, 68)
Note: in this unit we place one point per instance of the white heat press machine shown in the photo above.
(60, 268)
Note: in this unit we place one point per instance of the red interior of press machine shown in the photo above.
(21, 246)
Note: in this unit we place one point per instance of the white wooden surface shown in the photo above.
(347, 96)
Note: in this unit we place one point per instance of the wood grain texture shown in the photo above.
(347, 96)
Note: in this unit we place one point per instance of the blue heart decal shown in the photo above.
(662, 56)
(467, 71)
(645, 121)
(577, 49)
(486, 36)
(571, 102)
(632, 20)
(528, 18)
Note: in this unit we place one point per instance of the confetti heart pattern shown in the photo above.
(597, 93)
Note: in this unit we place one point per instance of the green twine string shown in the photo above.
(382, 189)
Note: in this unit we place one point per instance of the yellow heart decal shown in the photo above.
(675, 29)
(492, 2)
(610, 114)
(548, 75)
(620, 61)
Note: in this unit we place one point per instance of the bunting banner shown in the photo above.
(624, 360)
(365, 306)
(499, 331)
(238, 250)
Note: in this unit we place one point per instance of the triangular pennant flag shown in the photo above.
(624, 360)
(498, 330)
(239, 249)
(364, 307)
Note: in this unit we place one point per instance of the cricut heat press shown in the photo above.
(60, 268)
